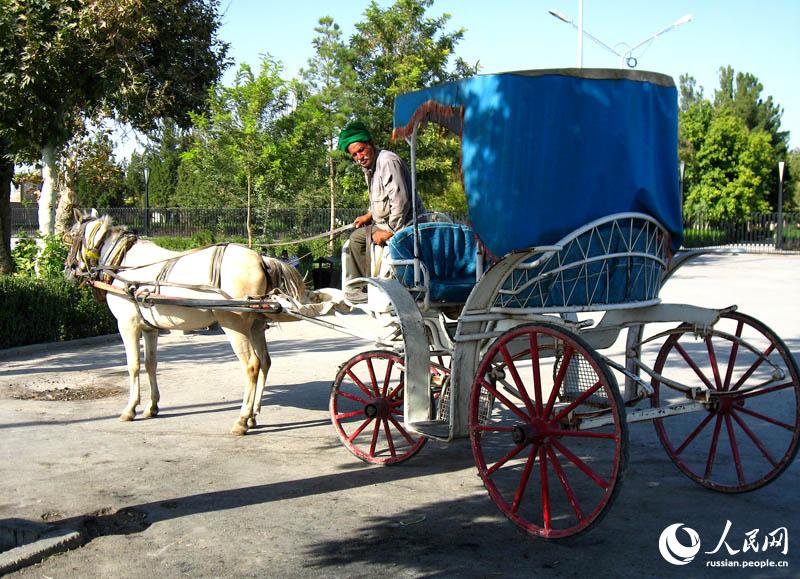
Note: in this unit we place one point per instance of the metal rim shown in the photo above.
(545, 475)
(366, 407)
(742, 442)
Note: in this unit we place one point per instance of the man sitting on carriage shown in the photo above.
(390, 199)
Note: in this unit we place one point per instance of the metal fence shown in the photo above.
(757, 234)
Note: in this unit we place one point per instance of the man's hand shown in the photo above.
(380, 236)
(363, 220)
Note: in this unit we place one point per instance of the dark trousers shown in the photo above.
(360, 240)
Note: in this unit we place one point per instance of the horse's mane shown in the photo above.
(285, 277)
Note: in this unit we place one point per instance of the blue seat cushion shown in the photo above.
(448, 251)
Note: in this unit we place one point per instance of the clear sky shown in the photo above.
(759, 37)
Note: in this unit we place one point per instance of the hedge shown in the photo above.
(34, 311)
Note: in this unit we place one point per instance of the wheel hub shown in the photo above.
(378, 407)
(535, 431)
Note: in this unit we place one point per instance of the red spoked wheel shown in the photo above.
(547, 469)
(749, 431)
(367, 408)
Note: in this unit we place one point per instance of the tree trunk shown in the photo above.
(6, 174)
(66, 198)
(249, 204)
(332, 185)
(47, 198)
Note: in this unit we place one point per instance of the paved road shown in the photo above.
(179, 496)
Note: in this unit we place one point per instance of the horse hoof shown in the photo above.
(150, 413)
(251, 423)
(126, 416)
(239, 430)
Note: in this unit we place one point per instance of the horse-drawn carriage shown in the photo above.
(571, 179)
(572, 183)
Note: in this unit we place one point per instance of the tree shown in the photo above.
(331, 83)
(63, 61)
(731, 147)
(733, 165)
(236, 145)
(397, 50)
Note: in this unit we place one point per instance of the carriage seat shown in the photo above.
(447, 250)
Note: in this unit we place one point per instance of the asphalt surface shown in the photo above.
(179, 496)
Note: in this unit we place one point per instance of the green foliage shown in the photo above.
(36, 310)
(99, 180)
(46, 257)
(731, 148)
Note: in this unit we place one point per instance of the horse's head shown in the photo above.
(85, 239)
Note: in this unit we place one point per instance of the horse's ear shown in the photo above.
(94, 213)
(77, 214)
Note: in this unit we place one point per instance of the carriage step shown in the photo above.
(436, 429)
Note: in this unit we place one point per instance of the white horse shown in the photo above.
(225, 271)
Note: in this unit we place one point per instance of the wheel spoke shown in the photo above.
(694, 434)
(581, 465)
(375, 432)
(777, 387)
(387, 377)
(562, 477)
(737, 460)
(712, 358)
(352, 397)
(523, 483)
(398, 390)
(523, 393)
(510, 405)
(514, 452)
(343, 415)
(545, 489)
(537, 374)
(372, 378)
(753, 413)
(359, 430)
(575, 403)
(755, 439)
(402, 431)
(712, 451)
(562, 371)
(754, 367)
(693, 366)
(360, 384)
(732, 357)
(389, 439)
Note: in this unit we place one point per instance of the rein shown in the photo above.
(332, 233)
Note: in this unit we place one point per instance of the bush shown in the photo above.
(36, 310)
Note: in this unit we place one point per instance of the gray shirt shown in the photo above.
(389, 183)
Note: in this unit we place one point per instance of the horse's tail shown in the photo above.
(285, 277)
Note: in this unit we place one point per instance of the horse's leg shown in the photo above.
(259, 341)
(131, 334)
(232, 325)
(150, 363)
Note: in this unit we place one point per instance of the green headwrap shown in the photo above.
(353, 132)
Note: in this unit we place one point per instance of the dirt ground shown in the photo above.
(179, 496)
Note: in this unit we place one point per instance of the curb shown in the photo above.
(57, 541)
(21, 351)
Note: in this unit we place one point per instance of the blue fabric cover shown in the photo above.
(544, 152)
(448, 251)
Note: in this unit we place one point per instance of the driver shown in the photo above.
(390, 209)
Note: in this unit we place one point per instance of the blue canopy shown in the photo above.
(544, 152)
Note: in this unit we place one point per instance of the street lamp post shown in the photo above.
(626, 58)
(146, 201)
(779, 232)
